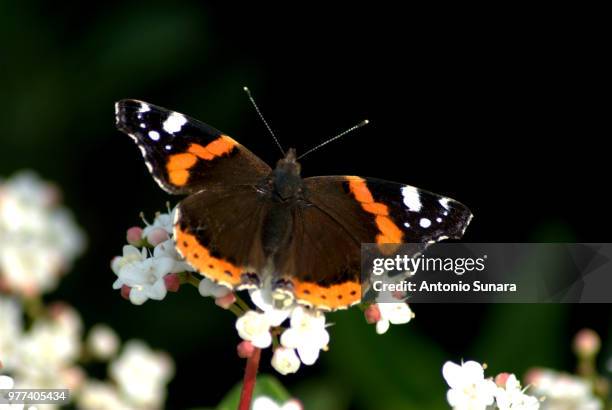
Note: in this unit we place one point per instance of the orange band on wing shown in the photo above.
(389, 232)
(216, 269)
(334, 297)
(178, 165)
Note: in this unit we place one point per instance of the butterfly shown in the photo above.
(243, 223)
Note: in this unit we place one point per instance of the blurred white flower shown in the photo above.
(285, 360)
(7, 383)
(10, 330)
(142, 374)
(255, 327)
(392, 313)
(47, 352)
(307, 334)
(209, 288)
(96, 395)
(38, 238)
(511, 396)
(266, 403)
(102, 341)
(469, 390)
(563, 391)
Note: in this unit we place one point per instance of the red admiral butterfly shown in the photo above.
(244, 221)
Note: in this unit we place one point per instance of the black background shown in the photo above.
(502, 109)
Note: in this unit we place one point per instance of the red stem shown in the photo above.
(248, 384)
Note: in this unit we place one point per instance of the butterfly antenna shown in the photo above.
(246, 90)
(353, 128)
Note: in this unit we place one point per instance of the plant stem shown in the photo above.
(248, 384)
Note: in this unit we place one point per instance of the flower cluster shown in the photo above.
(150, 266)
(563, 391)
(38, 238)
(470, 390)
(51, 354)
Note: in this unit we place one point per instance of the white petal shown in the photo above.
(162, 266)
(382, 326)
(117, 284)
(157, 291)
(264, 403)
(137, 296)
(308, 354)
(472, 370)
(262, 340)
(6, 383)
(452, 373)
(290, 338)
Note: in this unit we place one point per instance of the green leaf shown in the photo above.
(266, 385)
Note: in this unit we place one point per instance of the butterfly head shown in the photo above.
(287, 179)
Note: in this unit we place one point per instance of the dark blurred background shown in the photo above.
(502, 109)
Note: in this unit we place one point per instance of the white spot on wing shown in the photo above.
(154, 135)
(438, 220)
(406, 224)
(174, 122)
(144, 107)
(412, 199)
(444, 202)
(425, 223)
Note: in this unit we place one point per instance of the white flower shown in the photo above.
(264, 298)
(285, 360)
(255, 327)
(164, 221)
(168, 249)
(512, 397)
(392, 313)
(146, 278)
(307, 334)
(142, 374)
(131, 255)
(563, 391)
(266, 403)
(100, 396)
(469, 390)
(10, 330)
(48, 350)
(7, 383)
(209, 288)
(102, 341)
(38, 239)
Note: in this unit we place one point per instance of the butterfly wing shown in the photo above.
(322, 262)
(218, 232)
(183, 154)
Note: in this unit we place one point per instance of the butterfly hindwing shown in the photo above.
(218, 232)
(183, 154)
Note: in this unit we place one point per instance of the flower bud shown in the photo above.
(245, 349)
(172, 282)
(225, 301)
(157, 236)
(587, 343)
(125, 292)
(372, 314)
(134, 236)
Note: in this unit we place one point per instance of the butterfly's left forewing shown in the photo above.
(185, 155)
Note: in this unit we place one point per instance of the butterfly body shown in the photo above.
(242, 219)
